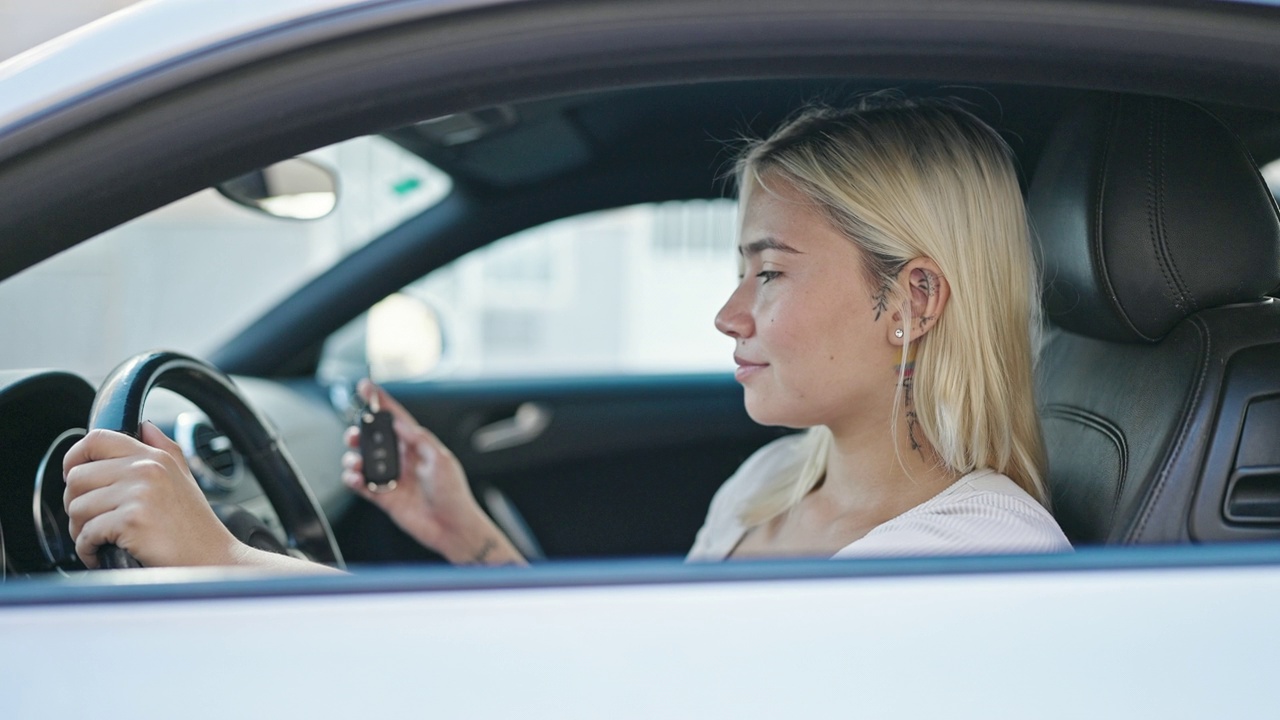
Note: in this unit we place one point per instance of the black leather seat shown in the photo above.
(1160, 373)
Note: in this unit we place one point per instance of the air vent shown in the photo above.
(215, 464)
(215, 449)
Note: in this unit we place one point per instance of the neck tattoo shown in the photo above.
(913, 421)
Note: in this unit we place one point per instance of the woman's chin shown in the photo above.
(763, 413)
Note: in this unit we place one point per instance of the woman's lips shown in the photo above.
(746, 368)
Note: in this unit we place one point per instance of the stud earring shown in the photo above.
(898, 333)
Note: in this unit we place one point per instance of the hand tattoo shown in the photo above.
(483, 553)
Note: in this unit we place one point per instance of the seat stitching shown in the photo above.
(1188, 301)
(1148, 509)
(1104, 279)
(1187, 295)
(1154, 229)
(1110, 431)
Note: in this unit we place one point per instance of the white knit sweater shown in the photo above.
(983, 512)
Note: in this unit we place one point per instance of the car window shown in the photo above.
(622, 291)
(190, 275)
(1271, 174)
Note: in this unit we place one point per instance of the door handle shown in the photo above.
(525, 426)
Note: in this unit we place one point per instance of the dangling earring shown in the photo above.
(898, 333)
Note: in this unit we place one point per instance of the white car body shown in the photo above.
(1126, 632)
(140, 39)
(1159, 642)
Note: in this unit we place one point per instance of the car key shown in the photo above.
(379, 448)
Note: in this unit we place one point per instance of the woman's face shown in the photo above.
(813, 336)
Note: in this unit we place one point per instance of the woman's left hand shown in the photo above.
(140, 496)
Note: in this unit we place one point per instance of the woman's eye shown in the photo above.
(767, 275)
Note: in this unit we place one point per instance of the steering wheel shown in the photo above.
(118, 406)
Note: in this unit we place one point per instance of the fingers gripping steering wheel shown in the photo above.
(118, 406)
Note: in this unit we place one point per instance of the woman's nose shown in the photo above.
(734, 319)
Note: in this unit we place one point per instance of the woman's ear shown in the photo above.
(925, 289)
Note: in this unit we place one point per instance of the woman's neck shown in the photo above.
(865, 474)
(879, 458)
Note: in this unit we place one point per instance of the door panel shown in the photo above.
(625, 466)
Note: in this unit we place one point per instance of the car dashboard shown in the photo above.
(43, 412)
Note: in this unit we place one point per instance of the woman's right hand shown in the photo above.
(432, 499)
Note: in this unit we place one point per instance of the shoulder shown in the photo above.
(776, 459)
(723, 526)
(781, 455)
(983, 512)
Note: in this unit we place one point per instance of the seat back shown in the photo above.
(1159, 242)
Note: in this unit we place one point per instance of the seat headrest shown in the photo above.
(1148, 210)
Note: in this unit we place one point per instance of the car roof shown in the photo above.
(156, 38)
(152, 35)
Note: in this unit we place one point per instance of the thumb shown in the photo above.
(366, 388)
(155, 437)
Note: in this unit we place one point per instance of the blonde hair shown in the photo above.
(904, 180)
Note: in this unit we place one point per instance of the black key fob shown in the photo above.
(379, 449)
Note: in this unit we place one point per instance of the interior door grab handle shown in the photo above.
(525, 426)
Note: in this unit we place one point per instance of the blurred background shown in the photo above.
(631, 290)
(27, 23)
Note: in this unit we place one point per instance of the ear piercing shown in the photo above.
(898, 333)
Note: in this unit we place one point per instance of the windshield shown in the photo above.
(190, 275)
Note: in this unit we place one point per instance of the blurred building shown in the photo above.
(27, 23)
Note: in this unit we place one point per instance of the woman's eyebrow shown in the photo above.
(769, 243)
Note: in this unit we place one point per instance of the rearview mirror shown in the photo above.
(295, 189)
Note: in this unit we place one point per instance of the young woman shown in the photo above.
(887, 303)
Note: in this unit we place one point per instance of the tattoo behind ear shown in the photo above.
(881, 297)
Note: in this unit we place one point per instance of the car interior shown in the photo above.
(1159, 242)
(1159, 245)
